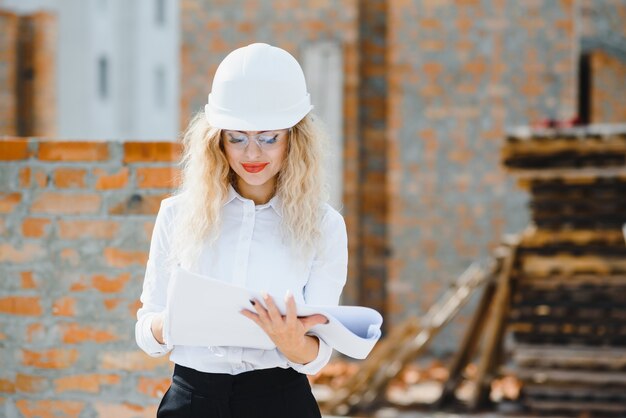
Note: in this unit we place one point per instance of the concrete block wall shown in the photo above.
(75, 225)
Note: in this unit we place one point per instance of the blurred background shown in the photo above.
(420, 98)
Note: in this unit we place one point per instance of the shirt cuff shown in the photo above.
(145, 338)
(314, 367)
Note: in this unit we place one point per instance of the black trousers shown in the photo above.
(270, 393)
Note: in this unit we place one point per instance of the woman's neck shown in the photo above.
(259, 194)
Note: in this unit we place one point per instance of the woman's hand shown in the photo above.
(157, 328)
(287, 332)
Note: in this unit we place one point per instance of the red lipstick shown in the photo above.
(254, 167)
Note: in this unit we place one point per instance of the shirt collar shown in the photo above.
(275, 202)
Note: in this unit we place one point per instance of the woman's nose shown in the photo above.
(253, 149)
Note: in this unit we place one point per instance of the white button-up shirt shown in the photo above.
(249, 252)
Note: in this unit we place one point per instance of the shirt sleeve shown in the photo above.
(154, 293)
(326, 279)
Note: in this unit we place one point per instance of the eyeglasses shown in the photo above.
(265, 140)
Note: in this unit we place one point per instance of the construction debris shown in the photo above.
(367, 387)
(568, 284)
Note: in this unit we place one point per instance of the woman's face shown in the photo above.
(256, 157)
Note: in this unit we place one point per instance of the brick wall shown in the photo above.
(461, 72)
(75, 224)
(210, 30)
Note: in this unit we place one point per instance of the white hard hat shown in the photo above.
(258, 88)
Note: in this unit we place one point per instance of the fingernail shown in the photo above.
(265, 295)
(288, 294)
(252, 302)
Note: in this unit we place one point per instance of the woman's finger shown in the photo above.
(272, 310)
(309, 322)
(251, 315)
(261, 311)
(291, 308)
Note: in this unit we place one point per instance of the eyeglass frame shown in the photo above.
(256, 137)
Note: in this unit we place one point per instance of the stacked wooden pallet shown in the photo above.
(567, 311)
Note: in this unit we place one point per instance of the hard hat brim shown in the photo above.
(259, 121)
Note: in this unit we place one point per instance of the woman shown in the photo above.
(250, 212)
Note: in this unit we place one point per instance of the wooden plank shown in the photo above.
(563, 281)
(576, 406)
(615, 145)
(573, 357)
(548, 375)
(533, 236)
(583, 175)
(568, 264)
(495, 331)
(596, 132)
(468, 347)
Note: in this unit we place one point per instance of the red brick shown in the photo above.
(93, 229)
(70, 255)
(111, 304)
(54, 358)
(65, 178)
(133, 307)
(138, 205)
(28, 282)
(41, 179)
(106, 181)
(73, 151)
(74, 334)
(7, 386)
(116, 257)
(31, 384)
(432, 69)
(34, 332)
(8, 201)
(35, 227)
(80, 285)
(157, 177)
(67, 204)
(49, 408)
(84, 383)
(153, 387)
(14, 149)
(107, 285)
(24, 177)
(65, 306)
(151, 151)
(430, 23)
(124, 410)
(21, 305)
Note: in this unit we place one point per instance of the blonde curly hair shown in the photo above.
(206, 176)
